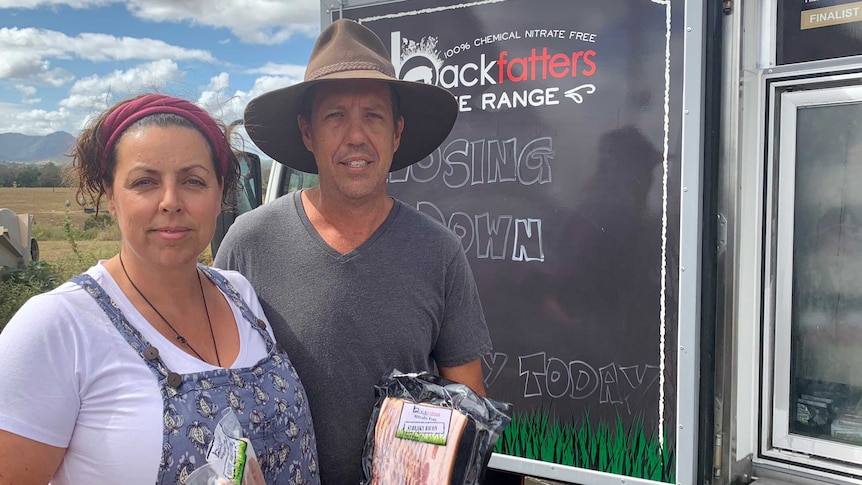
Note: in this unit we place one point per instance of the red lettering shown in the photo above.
(559, 66)
(544, 59)
(575, 56)
(540, 66)
(518, 61)
(588, 60)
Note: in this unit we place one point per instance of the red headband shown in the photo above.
(123, 116)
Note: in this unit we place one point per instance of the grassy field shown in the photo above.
(65, 248)
(48, 205)
(61, 256)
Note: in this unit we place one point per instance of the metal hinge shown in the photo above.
(716, 455)
(721, 233)
(728, 6)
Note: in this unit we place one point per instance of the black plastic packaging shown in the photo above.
(485, 420)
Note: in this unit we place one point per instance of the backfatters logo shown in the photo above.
(511, 72)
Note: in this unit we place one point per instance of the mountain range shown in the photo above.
(15, 147)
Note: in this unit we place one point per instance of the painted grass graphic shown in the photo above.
(604, 447)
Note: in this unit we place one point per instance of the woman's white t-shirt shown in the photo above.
(69, 379)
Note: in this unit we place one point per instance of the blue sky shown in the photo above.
(61, 61)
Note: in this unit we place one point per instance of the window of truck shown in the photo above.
(817, 239)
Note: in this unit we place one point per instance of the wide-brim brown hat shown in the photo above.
(346, 50)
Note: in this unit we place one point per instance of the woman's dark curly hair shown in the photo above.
(89, 151)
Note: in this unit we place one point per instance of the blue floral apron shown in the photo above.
(268, 400)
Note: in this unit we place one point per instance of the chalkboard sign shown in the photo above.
(561, 177)
(811, 30)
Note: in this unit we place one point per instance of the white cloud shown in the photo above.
(231, 106)
(103, 47)
(39, 115)
(153, 75)
(99, 92)
(92, 102)
(273, 69)
(221, 104)
(253, 21)
(56, 77)
(45, 3)
(32, 122)
(25, 90)
(220, 82)
(15, 64)
(223, 107)
(35, 57)
(269, 83)
(43, 43)
(26, 52)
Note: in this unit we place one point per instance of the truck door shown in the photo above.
(791, 406)
(283, 180)
(249, 195)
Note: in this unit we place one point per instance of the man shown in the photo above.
(354, 282)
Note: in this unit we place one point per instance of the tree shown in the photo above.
(29, 177)
(50, 176)
(7, 175)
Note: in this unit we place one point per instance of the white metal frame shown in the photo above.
(811, 450)
(691, 235)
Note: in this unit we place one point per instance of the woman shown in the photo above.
(121, 374)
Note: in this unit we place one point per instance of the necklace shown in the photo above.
(179, 337)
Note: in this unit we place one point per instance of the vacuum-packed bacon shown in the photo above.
(428, 430)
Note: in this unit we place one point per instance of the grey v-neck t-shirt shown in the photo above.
(405, 299)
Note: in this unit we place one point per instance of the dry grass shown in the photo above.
(47, 204)
(55, 252)
(60, 256)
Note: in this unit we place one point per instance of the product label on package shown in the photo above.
(428, 424)
(228, 452)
